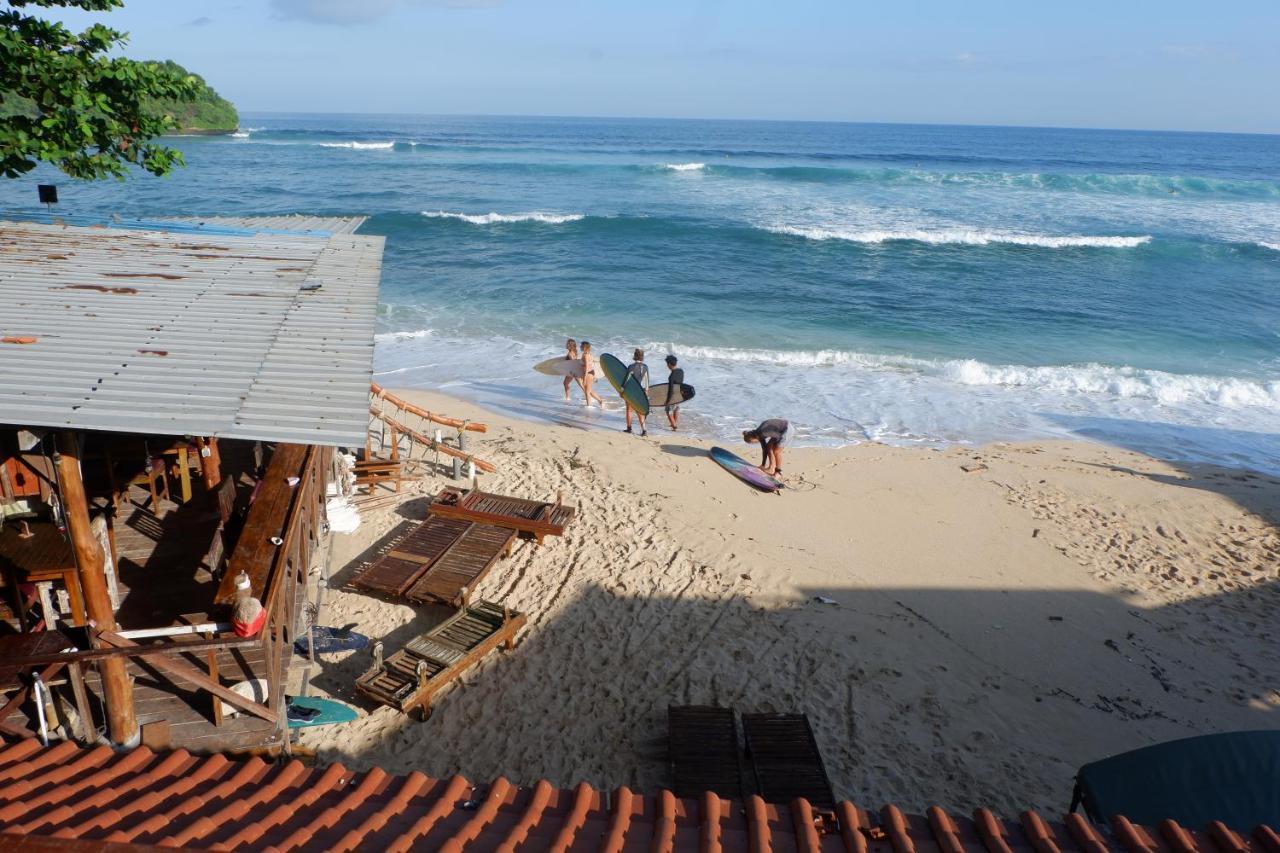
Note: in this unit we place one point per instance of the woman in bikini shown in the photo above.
(570, 354)
(589, 374)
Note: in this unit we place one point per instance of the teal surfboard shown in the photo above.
(329, 711)
(627, 386)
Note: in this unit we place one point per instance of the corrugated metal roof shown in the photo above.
(182, 800)
(291, 222)
(266, 337)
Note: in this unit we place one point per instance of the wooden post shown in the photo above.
(210, 462)
(116, 686)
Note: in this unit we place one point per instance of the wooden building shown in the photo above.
(171, 394)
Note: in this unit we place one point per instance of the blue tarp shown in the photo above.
(1233, 777)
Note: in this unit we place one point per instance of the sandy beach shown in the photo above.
(963, 627)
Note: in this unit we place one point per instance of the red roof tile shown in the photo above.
(69, 798)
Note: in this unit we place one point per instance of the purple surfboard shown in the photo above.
(745, 471)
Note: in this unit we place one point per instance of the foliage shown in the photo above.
(206, 112)
(94, 114)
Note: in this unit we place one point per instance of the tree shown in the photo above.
(64, 100)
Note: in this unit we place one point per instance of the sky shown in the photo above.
(1177, 64)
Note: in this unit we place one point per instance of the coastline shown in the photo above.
(992, 628)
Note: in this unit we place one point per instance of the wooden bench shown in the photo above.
(538, 519)
(411, 678)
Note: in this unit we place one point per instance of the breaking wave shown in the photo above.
(1085, 379)
(360, 146)
(505, 218)
(962, 237)
(684, 167)
(1264, 244)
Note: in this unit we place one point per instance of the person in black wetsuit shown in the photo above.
(674, 381)
(772, 435)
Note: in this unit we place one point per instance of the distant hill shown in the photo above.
(208, 113)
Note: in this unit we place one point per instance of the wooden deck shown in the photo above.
(165, 562)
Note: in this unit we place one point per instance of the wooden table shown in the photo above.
(45, 556)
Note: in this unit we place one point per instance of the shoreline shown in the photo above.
(992, 629)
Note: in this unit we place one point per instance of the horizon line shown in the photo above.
(602, 117)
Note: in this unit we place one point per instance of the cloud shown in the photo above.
(359, 11)
(202, 21)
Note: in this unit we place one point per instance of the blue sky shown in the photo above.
(1136, 64)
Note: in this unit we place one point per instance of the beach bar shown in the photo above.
(171, 395)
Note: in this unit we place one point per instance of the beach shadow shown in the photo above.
(685, 451)
(911, 692)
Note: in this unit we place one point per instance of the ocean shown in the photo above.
(916, 285)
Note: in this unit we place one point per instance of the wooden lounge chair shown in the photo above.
(702, 748)
(411, 677)
(784, 758)
(406, 559)
(451, 578)
(538, 519)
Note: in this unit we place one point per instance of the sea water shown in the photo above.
(917, 285)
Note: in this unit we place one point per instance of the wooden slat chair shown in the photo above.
(702, 750)
(408, 557)
(411, 678)
(155, 478)
(784, 758)
(453, 576)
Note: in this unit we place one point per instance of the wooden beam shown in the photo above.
(176, 647)
(457, 423)
(161, 661)
(511, 522)
(487, 467)
(117, 689)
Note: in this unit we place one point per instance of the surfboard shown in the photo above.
(658, 395)
(328, 711)
(560, 366)
(329, 640)
(627, 386)
(745, 471)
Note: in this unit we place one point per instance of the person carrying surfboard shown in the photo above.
(640, 371)
(772, 435)
(570, 354)
(589, 375)
(674, 383)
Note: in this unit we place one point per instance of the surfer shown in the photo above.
(570, 354)
(640, 371)
(674, 381)
(589, 375)
(772, 435)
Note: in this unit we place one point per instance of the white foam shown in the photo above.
(402, 336)
(684, 167)
(360, 146)
(963, 236)
(1274, 246)
(493, 218)
(241, 134)
(1092, 379)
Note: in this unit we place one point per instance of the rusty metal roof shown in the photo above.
(218, 331)
(181, 800)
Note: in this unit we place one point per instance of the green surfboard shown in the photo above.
(330, 711)
(627, 386)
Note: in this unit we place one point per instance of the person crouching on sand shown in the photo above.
(674, 380)
(589, 375)
(772, 435)
(640, 371)
(570, 354)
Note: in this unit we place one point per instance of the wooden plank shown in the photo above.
(524, 525)
(161, 661)
(255, 554)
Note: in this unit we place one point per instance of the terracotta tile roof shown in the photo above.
(130, 801)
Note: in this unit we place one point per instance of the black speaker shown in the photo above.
(48, 193)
